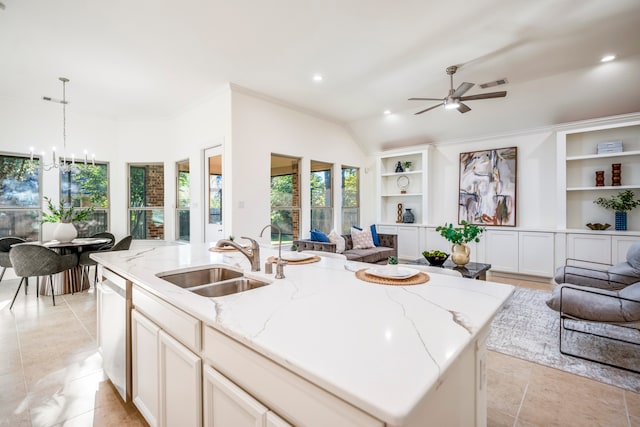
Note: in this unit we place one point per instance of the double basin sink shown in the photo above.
(212, 281)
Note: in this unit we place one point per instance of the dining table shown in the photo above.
(71, 280)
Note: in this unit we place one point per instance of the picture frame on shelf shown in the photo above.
(487, 187)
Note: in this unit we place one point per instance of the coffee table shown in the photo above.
(472, 270)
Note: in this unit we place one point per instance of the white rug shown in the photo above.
(526, 328)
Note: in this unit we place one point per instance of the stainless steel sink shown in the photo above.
(203, 276)
(228, 287)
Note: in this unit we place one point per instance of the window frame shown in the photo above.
(38, 208)
(357, 206)
(145, 209)
(181, 209)
(317, 166)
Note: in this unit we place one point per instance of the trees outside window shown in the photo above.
(146, 201)
(321, 196)
(183, 200)
(84, 187)
(20, 199)
(285, 197)
(350, 198)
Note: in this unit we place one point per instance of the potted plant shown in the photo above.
(459, 237)
(407, 165)
(620, 203)
(392, 263)
(65, 231)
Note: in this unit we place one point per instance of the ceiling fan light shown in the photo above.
(451, 103)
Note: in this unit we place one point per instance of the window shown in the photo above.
(285, 197)
(86, 186)
(20, 207)
(183, 200)
(350, 198)
(321, 196)
(146, 201)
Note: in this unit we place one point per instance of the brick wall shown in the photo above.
(154, 198)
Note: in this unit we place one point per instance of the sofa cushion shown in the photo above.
(624, 274)
(334, 237)
(374, 235)
(319, 236)
(585, 277)
(601, 306)
(362, 238)
(633, 256)
(370, 255)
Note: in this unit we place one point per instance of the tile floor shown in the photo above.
(50, 375)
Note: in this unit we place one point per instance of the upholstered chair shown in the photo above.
(5, 246)
(86, 262)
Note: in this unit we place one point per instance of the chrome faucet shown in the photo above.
(253, 253)
(281, 263)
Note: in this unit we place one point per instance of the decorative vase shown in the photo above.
(65, 232)
(599, 178)
(621, 221)
(408, 217)
(399, 167)
(460, 254)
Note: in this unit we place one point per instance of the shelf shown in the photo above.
(608, 187)
(418, 172)
(604, 156)
(402, 195)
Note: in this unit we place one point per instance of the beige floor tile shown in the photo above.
(633, 403)
(12, 384)
(496, 418)
(509, 365)
(14, 411)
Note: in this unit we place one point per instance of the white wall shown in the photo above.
(261, 128)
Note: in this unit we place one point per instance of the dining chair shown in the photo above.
(86, 262)
(5, 246)
(103, 246)
(35, 260)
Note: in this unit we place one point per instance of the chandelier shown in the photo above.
(61, 161)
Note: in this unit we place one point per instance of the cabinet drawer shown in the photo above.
(282, 391)
(179, 324)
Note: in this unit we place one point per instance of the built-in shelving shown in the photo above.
(604, 156)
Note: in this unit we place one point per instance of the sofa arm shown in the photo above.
(389, 241)
(310, 245)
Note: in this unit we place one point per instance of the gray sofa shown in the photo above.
(378, 255)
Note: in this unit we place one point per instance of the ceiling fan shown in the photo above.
(453, 101)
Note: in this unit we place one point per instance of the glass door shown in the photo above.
(214, 226)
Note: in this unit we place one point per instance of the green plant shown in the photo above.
(434, 253)
(406, 164)
(62, 214)
(621, 202)
(294, 247)
(460, 235)
(392, 260)
(231, 237)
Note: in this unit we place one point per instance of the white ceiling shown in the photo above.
(149, 58)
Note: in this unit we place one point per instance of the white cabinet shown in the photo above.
(179, 384)
(226, 404)
(408, 242)
(536, 253)
(144, 365)
(589, 247)
(406, 188)
(275, 421)
(502, 250)
(620, 246)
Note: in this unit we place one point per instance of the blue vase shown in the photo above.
(408, 217)
(621, 221)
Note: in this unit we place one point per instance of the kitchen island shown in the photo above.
(319, 347)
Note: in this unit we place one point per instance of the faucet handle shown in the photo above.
(254, 244)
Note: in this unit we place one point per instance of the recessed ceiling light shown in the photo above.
(387, 112)
(608, 58)
(317, 78)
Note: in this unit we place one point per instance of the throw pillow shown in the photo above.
(633, 256)
(362, 238)
(334, 237)
(319, 236)
(374, 235)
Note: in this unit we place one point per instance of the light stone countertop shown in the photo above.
(381, 348)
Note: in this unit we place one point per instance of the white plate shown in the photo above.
(387, 273)
(296, 256)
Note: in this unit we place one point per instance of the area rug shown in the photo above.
(527, 328)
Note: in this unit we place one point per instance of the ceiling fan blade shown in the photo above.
(484, 96)
(463, 108)
(430, 108)
(462, 89)
(425, 99)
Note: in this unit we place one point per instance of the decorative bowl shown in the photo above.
(598, 226)
(436, 261)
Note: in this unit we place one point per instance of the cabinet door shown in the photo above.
(180, 384)
(226, 404)
(144, 366)
(275, 421)
(408, 242)
(620, 246)
(589, 247)
(536, 254)
(502, 250)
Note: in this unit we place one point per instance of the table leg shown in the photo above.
(63, 282)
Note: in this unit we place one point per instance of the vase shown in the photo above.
(65, 232)
(621, 221)
(460, 254)
(408, 217)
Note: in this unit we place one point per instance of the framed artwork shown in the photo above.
(488, 187)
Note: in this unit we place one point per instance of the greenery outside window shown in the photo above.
(285, 197)
(183, 200)
(84, 187)
(350, 198)
(146, 201)
(321, 196)
(20, 198)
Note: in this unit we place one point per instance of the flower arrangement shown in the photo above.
(622, 202)
(62, 214)
(461, 235)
